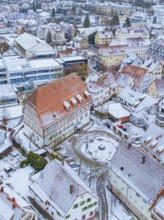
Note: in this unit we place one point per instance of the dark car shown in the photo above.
(108, 125)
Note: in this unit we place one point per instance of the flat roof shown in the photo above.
(18, 63)
(117, 111)
(43, 63)
(6, 90)
(73, 58)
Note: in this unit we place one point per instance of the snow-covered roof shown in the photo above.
(145, 178)
(159, 208)
(117, 111)
(155, 145)
(27, 41)
(72, 58)
(129, 95)
(6, 91)
(5, 210)
(54, 185)
(18, 63)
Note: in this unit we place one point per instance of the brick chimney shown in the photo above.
(71, 189)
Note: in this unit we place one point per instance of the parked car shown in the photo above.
(108, 125)
(124, 129)
(120, 126)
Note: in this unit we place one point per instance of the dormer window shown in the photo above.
(73, 101)
(86, 93)
(66, 105)
(148, 139)
(79, 98)
(160, 149)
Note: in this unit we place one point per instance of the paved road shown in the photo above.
(75, 145)
(101, 192)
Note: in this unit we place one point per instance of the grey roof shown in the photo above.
(55, 181)
(156, 50)
(148, 177)
(157, 134)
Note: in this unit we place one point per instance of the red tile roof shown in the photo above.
(136, 73)
(48, 99)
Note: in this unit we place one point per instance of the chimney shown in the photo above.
(13, 199)
(143, 159)
(71, 189)
(62, 161)
(2, 189)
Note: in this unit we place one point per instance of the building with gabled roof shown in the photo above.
(54, 111)
(13, 207)
(103, 37)
(140, 77)
(103, 89)
(112, 55)
(30, 45)
(63, 195)
(136, 179)
(153, 142)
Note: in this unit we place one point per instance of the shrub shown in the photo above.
(36, 161)
(24, 163)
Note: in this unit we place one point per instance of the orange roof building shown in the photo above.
(55, 110)
(140, 77)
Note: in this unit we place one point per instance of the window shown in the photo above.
(137, 195)
(91, 213)
(88, 200)
(75, 206)
(82, 203)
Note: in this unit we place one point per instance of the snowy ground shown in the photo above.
(13, 176)
(101, 149)
(24, 141)
(133, 130)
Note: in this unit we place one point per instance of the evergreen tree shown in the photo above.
(86, 23)
(127, 22)
(91, 38)
(73, 9)
(48, 37)
(115, 20)
(53, 13)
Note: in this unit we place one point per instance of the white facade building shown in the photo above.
(103, 89)
(30, 45)
(54, 111)
(134, 180)
(63, 195)
(17, 69)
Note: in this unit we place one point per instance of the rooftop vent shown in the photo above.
(122, 168)
(143, 159)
